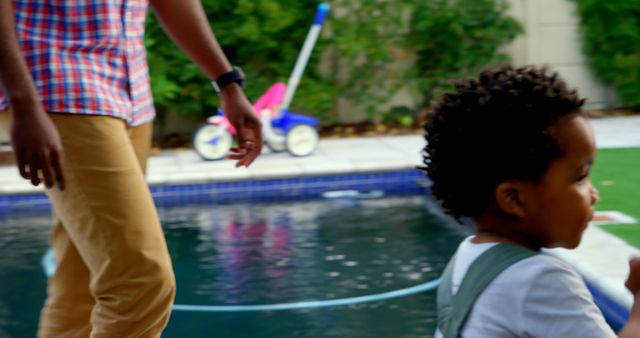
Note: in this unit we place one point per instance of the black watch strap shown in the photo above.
(235, 75)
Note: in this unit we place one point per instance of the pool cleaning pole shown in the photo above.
(305, 53)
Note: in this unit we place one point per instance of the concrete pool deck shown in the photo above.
(601, 258)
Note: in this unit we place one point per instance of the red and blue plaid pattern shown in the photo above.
(87, 56)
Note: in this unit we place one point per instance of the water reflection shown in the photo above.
(265, 254)
(252, 249)
(280, 253)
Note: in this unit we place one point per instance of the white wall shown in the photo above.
(552, 37)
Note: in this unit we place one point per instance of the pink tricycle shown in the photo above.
(282, 129)
(291, 132)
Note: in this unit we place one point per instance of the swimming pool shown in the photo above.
(269, 253)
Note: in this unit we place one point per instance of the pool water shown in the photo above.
(246, 254)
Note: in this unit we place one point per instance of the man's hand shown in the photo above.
(240, 114)
(37, 147)
(35, 140)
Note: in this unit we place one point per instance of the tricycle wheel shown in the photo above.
(212, 142)
(302, 140)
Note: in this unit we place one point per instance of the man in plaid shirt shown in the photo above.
(76, 88)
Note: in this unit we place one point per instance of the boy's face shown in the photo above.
(559, 207)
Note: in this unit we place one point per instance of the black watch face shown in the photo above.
(235, 75)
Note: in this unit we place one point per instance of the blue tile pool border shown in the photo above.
(402, 182)
(615, 314)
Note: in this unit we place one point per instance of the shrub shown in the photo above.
(262, 36)
(454, 39)
(611, 34)
(366, 51)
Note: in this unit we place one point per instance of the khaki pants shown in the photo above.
(114, 276)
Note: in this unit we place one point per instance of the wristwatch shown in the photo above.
(235, 75)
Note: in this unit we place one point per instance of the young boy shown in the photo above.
(512, 150)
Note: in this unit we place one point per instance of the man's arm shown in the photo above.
(186, 23)
(34, 138)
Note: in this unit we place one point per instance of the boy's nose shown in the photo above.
(595, 195)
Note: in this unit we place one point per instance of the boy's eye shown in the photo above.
(583, 177)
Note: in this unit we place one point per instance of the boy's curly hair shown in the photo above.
(491, 129)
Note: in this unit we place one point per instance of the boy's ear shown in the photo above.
(510, 199)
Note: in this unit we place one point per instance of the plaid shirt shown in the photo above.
(87, 56)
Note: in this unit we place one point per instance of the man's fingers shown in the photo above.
(257, 134)
(253, 144)
(237, 153)
(250, 156)
(58, 169)
(250, 141)
(256, 148)
(44, 168)
(246, 160)
(33, 172)
(245, 155)
(47, 171)
(240, 138)
(22, 166)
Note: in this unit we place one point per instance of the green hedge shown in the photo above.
(611, 34)
(262, 36)
(367, 51)
(454, 39)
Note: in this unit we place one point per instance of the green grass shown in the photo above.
(616, 175)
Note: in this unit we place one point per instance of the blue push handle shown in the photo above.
(321, 13)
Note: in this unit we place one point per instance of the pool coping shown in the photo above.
(374, 184)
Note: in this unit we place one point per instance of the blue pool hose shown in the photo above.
(49, 266)
(314, 303)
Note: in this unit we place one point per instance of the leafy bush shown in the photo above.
(454, 39)
(367, 52)
(367, 43)
(611, 33)
(262, 36)
(385, 45)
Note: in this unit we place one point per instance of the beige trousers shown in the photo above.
(114, 276)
